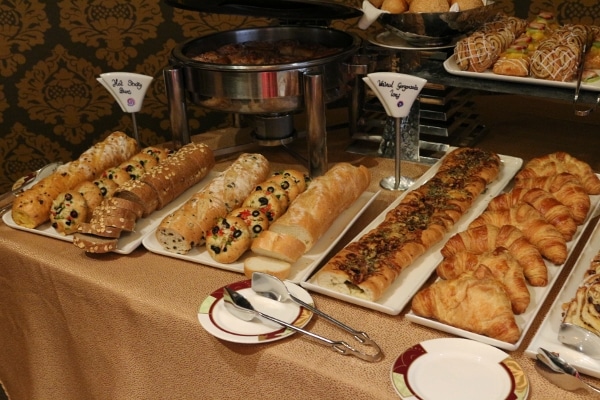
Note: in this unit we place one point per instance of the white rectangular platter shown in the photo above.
(413, 277)
(538, 296)
(128, 241)
(547, 334)
(301, 268)
(452, 68)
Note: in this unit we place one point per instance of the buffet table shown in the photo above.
(78, 326)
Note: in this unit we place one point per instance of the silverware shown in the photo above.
(236, 304)
(273, 288)
(551, 366)
(578, 111)
(580, 339)
(24, 183)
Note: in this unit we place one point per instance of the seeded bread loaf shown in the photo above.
(223, 194)
(32, 208)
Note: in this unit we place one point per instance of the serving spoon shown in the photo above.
(580, 339)
(271, 287)
(560, 372)
(238, 306)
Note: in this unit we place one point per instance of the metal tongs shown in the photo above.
(24, 183)
(582, 112)
(560, 372)
(241, 308)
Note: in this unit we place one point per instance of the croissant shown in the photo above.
(566, 188)
(540, 233)
(488, 237)
(504, 267)
(474, 301)
(551, 209)
(559, 162)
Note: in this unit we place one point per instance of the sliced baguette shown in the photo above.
(280, 269)
(95, 244)
(311, 214)
(280, 246)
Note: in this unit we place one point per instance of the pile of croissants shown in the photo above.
(486, 269)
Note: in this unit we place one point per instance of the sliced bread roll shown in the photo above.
(279, 268)
(311, 214)
(280, 246)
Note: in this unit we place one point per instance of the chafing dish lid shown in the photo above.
(281, 9)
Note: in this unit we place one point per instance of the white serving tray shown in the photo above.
(412, 278)
(547, 334)
(538, 297)
(301, 268)
(452, 68)
(128, 241)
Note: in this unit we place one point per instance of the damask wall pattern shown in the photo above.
(51, 52)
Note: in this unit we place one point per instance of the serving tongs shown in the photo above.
(24, 183)
(582, 112)
(560, 372)
(241, 308)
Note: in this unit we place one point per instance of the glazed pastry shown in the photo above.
(475, 301)
(503, 266)
(535, 228)
(228, 239)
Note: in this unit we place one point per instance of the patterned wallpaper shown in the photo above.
(51, 52)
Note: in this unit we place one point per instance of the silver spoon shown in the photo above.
(236, 304)
(560, 372)
(580, 339)
(273, 288)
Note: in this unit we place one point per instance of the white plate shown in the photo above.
(391, 41)
(220, 323)
(452, 68)
(538, 296)
(128, 241)
(547, 334)
(413, 277)
(461, 369)
(302, 268)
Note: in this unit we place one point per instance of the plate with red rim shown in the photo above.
(217, 321)
(455, 368)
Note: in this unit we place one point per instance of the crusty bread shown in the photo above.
(95, 244)
(281, 246)
(313, 211)
(279, 268)
(32, 208)
(228, 239)
(100, 230)
(141, 193)
(219, 197)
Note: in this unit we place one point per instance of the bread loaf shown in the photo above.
(280, 269)
(311, 214)
(32, 208)
(139, 198)
(281, 246)
(185, 228)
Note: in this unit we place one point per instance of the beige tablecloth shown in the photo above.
(78, 326)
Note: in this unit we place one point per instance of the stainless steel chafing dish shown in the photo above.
(267, 95)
